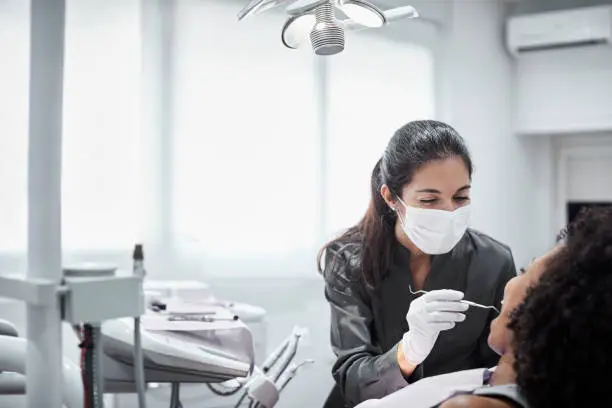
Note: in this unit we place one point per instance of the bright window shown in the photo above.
(101, 160)
(376, 86)
(246, 147)
(246, 142)
(14, 80)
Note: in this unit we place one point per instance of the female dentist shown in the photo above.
(413, 237)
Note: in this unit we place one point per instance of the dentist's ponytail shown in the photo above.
(372, 240)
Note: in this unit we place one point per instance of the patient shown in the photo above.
(560, 355)
(431, 391)
(500, 336)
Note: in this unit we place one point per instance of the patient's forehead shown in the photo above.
(517, 286)
(538, 265)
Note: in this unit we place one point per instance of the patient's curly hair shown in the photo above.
(563, 329)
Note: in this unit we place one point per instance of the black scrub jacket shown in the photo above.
(368, 323)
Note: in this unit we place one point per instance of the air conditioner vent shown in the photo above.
(545, 47)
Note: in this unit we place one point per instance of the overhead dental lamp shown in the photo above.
(315, 20)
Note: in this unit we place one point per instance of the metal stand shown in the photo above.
(44, 356)
(50, 296)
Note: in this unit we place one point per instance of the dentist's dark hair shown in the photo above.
(368, 246)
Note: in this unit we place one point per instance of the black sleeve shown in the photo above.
(488, 357)
(362, 370)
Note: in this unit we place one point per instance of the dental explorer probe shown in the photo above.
(465, 302)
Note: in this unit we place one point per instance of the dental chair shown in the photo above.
(12, 368)
(190, 337)
(254, 317)
(8, 329)
(191, 340)
(183, 342)
(11, 382)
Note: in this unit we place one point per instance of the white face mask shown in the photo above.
(435, 232)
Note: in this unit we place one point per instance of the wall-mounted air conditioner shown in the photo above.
(559, 29)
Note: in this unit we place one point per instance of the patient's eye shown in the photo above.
(523, 270)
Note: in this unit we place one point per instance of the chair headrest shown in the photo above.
(8, 329)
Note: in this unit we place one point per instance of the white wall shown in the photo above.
(563, 91)
(583, 164)
(493, 99)
(476, 82)
(546, 203)
(536, 6)
(563, 99)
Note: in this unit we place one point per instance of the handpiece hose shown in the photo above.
(139, 270)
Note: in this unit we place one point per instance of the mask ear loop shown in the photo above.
(399, 215)
(400, 200)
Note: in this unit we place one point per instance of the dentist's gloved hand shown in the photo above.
(428, 315)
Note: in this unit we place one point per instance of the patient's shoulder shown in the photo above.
(473, 401)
